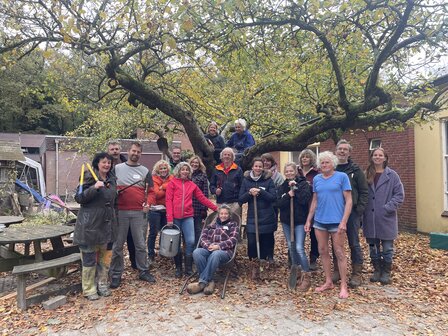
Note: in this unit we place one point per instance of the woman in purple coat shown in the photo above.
(380, 223)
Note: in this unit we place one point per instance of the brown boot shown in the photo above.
(195, 287)
(255, 271)
(306, 282)
(356, 278)
(210, 288)
(335, 277)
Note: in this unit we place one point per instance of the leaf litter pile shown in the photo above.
(415, 298)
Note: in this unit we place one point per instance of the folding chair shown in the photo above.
(227, 267)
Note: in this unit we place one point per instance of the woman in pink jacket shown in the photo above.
(179, 211)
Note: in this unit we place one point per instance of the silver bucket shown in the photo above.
(169, 241)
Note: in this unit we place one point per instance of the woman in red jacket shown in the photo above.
(179, 211)
(157, 214)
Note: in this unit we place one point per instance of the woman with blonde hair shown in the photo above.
(330, 208)
(157, 215)
(179, 211)
(295, 191)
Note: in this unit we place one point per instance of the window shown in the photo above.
(374, 143)
(445, 161)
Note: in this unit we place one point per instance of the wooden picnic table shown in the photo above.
(8, 220)
(11, 236)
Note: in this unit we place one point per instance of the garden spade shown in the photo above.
(257, 233)
(292, 281)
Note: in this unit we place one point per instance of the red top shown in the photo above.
(160, 186)
(179, 199)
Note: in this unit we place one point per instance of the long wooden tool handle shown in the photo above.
(257, 234)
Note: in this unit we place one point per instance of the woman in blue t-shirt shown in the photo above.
(331, 207)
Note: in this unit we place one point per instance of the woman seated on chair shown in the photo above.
(218, 240)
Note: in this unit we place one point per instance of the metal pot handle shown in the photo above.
(170, 227)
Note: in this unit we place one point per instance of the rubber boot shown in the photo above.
(385, 273)
(88, 281)
(255, 270)
(335, 277)
(305, 283)
(356, 278)
(178, 263)
(188, 265)
(376, 271)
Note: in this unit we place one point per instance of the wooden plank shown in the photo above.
(57, 243)
(28, 234)
(42, 297)
(21, 294)
(6, 253)
(69, 259)
(29, 288)
(36, 285)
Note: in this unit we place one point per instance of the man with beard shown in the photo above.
(360, 195)
(114, 150)
(133, 182)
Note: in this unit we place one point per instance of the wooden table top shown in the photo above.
(31, 233)
(6, 220)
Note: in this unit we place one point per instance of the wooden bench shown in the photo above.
(23, 270)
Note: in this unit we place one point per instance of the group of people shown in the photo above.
(327, 196)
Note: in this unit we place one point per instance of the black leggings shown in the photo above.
(267, 242)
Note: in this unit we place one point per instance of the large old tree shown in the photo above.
(298, 71)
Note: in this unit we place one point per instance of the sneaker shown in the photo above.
(104, 292)
(146, 276)
(92, 297)
(210, 288)
(115, 283)
(313, 266)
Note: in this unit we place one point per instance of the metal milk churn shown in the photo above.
(169, 241)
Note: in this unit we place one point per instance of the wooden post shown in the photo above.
(21, 292)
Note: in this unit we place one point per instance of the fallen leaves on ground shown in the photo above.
(415, 297)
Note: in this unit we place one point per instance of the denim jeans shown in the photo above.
(387, 253)
(157, 220)
(353, 239)
(299, 237)
(186, 225)
(207, 262)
